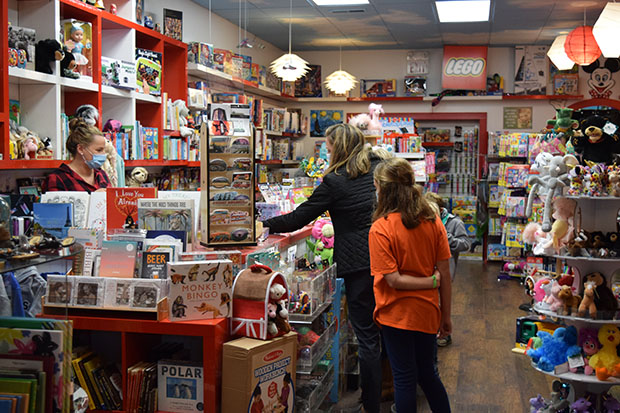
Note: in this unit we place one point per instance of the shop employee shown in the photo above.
(86, 144)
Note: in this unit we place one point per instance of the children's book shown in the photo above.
(190, 195)
(234, 256)
(167, 214)
(166, 236)
(37, 342)
(118, 259)
(173, 247)
(122, 206)
(148, 71)
(80, 201)
(180, 386)
(151, 141)
(54, 218)
(200, 289)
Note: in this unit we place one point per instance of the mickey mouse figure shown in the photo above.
(601, 81)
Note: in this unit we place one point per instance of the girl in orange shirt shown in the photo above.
(407, 243)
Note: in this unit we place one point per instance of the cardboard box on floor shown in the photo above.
(250, 364)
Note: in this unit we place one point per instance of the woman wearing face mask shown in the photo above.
(86, 145)
(347, 192)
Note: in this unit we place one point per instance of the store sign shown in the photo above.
(464, 67)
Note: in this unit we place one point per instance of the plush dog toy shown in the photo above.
(46, 52)
(68, 65)
(595, 144)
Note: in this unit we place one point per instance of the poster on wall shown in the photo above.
(173, 24)
(531, 67)
(323, 119)
(309, 86)
(417, 63)
(464, 67)
(518, 117)
(601, 77)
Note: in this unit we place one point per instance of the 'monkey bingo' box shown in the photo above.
(259, 375)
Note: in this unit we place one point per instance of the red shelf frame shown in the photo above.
(161, 162)
(542, 97)
(437, 144)
(387, 98)
(136, 335)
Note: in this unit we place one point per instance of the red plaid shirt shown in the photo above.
(66, 179)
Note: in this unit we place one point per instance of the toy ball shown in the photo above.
(113, 9)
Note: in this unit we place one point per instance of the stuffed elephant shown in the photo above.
(553, 184)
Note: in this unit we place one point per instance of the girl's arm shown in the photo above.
(445, 298)
(400, 281)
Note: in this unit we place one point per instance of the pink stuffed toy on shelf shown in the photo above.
(369, 123)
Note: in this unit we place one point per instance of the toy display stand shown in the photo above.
(591, 214)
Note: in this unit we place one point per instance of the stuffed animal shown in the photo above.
(323, 244)
(613, 244)
(47, 52)
(272, 329)
(610, 404)
(109, 166)
(112, 125)
(88, 113)
(613, 180)
(375, 111)
(554, 184)
(137, 177)
(606, 362)
(581, 405)
(181, 112)
(276, 292)
(368, 123)
(603, 298)
(537, 404)
(563, 125)
(596, 145)
(596, 187)
(542, 241)
(559, 398)
(540, 166)
(554, 301)
(588, 341)
(570, 302)
(578, 176)
(562, 227)
(28, 146)
(68, 65)
(556, 348)
(587, 303)
(577, 247)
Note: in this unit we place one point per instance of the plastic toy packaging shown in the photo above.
(78, 37)
(516, 176)
(515, 206)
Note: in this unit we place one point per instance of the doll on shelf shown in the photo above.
(76, 43)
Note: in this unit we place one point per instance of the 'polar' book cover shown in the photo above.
(179, 386)
(200, 289)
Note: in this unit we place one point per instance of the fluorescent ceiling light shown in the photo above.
(460, 11)
(339, 2)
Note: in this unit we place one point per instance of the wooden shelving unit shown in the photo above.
(44, 97)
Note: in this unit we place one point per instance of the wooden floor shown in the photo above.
(479, 370)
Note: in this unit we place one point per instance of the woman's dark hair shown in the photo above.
(398, 192)
(80, 133)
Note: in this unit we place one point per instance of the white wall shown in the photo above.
(225, 35)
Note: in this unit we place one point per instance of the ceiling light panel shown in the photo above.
(339, 2)
(463, 11)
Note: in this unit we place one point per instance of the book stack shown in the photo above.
(135, 142)
(142, 388)
(101, 382)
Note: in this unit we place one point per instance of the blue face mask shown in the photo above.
(97, 161)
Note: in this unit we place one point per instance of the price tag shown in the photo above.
(610, 128)
(291, 252)
(575, 362)
(561, 368)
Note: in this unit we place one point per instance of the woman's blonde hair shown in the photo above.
(80, 133)
(435, 199)
(398, 192)
(348, 149)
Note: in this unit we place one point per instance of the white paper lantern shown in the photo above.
(558, 56)
(289, 67)
(606, 30)
(340, 82)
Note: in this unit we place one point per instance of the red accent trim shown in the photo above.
(435, 144)
(260, 268)
(4, 79)
(542, 97)
(612, 103)
(387, 98)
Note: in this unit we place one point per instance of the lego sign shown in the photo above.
(464, 67)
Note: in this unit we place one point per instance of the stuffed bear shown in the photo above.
(556, 348)
(595, 145)
(47, 51)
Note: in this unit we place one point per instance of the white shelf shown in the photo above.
(411, 155)
(30, 77)
(79, 85)
(553, 314)
(591, 198)
(110, 91)
(323, 100)
(587, 259)
(143, 97)
(581, 378)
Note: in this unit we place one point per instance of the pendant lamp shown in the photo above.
(581, 46)
(340, 82)
(558, 56)
(289, 66)
(606, 30)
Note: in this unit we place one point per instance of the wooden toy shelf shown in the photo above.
(138, 335)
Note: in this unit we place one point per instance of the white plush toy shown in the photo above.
(180, 110)
(138, 176)
(276, 292)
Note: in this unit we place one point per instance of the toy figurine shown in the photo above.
(587, 304)
(148, 21)
(113, 9)
(613, 180)
(28, 147)
(581, 405)
(570, 302)
(590, 345)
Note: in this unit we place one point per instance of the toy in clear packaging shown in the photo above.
(516, 176)
(78, 40)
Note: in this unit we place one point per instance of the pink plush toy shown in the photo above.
(562, 228)
(30, 148)
(375, 110)
(534, 235)
(323, 231)
(588, 341)
(553, 299)
(539, 292)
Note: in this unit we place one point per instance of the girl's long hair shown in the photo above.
(348, 149)
(398, 192)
